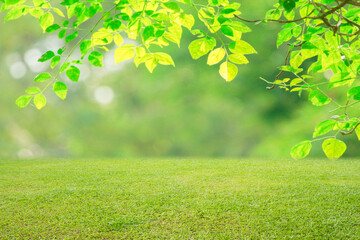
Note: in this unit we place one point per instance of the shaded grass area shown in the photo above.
(179, 199)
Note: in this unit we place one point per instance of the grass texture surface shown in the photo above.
(179, 199)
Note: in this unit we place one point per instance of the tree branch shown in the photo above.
(351, 132)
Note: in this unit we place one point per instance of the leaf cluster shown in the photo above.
(321, 37)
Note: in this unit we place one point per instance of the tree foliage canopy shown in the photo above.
(321, 37)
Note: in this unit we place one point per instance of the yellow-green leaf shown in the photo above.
(23, 101)
(174, 33)
(101, 37)
(242, 47)
(324, 127)
(123, 53)
(46, 20)
(32, 90)
(357, 131)
(295, 81)
(164, 59)
(216, 56)
(238, 58)
(187, 21)
(42, 77)
(333, 148)
(73, 73)
(201, 47)
(301, 150)
(55, 61)
(14, 13)
(60, 89)
(58, 12)
(39, 101)
(118, 39)
(228, 71)
(151, 64)
(36, 12)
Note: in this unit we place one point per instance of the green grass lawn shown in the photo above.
(179, 199)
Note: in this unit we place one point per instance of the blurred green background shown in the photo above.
(121, 111)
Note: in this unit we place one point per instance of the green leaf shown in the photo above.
(46, 56)
(60, 89)
(32, 90)
(42, 77)
(114, 24)
(64, 67)
(65, 23)
(354, 92)
(339, 78)
(85, 47)
(23, 101)
(95, 8)
(333, 148)
(288, 4)
(324, 127)
(227, 11)
(69, 2)
(216, 56)
(39, 101)
(228, 71)
(55, 61)
(96, 59)
(52, 28)
(10, 3)
(76, 61)
(62, 33)
(71, 37)
(201, 47)
(124, 52)
(296, 59)
(148, 33)
(301, 150)
(172, 6)
(161, 17)
(273, 14)
(60, 51)
(227, 31)
(73, 73)
(214, 2)
(284, 36)
(318, 99)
